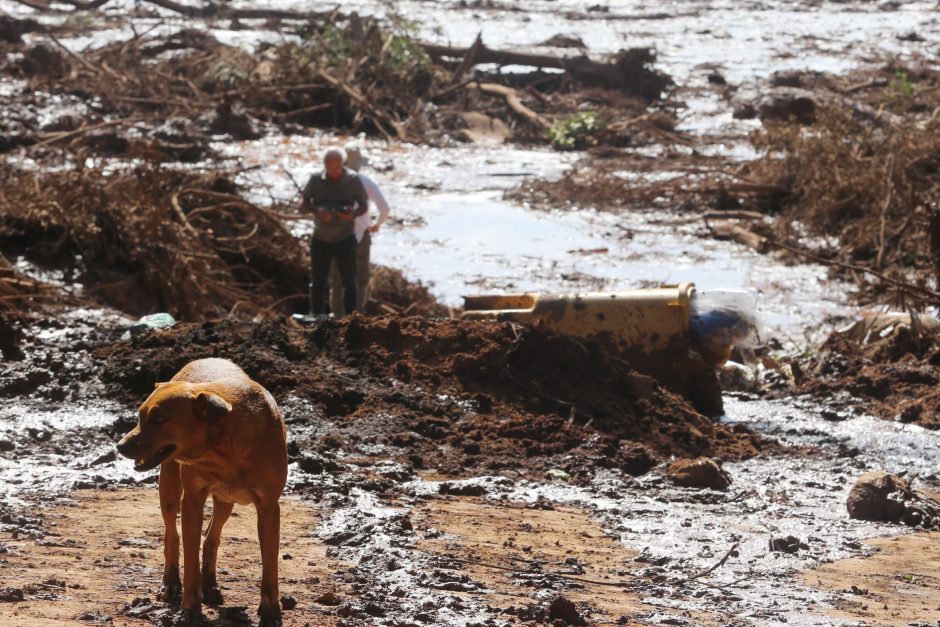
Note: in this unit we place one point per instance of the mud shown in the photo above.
(459, 396)
(445, 472)
(894, 376)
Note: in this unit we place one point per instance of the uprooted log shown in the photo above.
(629, 71)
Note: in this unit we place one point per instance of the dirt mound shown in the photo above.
(458, 395)
(391, 292)
(894, 377)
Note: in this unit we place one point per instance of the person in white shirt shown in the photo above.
(364, 230)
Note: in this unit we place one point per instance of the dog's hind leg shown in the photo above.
(171, 490)
(269, 534)
(221, 510)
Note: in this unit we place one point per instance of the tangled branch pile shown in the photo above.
(865, 186)
(151, 239)
(868, 187)
(339, 72)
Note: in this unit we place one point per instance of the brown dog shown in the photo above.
(213, 431)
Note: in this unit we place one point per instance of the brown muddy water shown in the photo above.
(386, 538)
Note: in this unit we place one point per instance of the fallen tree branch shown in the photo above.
(380, 119)
(713, 568)
(627, 71)
(904, 285)
(512, 99)
(213, 10)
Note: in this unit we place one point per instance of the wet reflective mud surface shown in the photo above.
(446, 473)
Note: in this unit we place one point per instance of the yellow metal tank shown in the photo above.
(648, 328)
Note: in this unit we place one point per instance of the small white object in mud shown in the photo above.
(153, 321)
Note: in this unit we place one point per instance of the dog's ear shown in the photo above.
(210, 407)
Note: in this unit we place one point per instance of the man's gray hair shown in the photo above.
(334, 152)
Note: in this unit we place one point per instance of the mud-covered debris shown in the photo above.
(788, 103)
(735, 376)
(562, 608)
(13, 29)
(560, 40)
(94, 617)
(703, 472)
(884, 364)
(10, 338)
(462, 489)
(316, 464)
(43, 59)
(192, 246)
(11, 595)
(788, 544)
(391, 292)
(288, 602)
(531, 378)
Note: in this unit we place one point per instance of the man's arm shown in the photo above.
(376, 196)
(362, 199)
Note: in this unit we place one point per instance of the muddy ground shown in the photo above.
(446, 472)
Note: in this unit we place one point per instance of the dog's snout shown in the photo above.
(126, 446)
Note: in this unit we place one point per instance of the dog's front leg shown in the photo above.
(194, 499)
(171, 490)
(269, 535)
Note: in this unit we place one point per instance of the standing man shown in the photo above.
(364, 229)
(336, 197)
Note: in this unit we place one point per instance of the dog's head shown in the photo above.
(173, 423)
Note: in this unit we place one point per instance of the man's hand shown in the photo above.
(374, 229)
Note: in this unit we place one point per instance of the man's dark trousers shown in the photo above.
(321, 254)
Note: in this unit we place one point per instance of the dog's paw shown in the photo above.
(270, 616)
(171, 591)
(212, 596)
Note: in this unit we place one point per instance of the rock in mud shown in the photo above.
(562, 608)
(789, 544)
(328, 598)
(467, 489)
(703, 472)
(878, 496)
(735, 376)
(785, 103)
